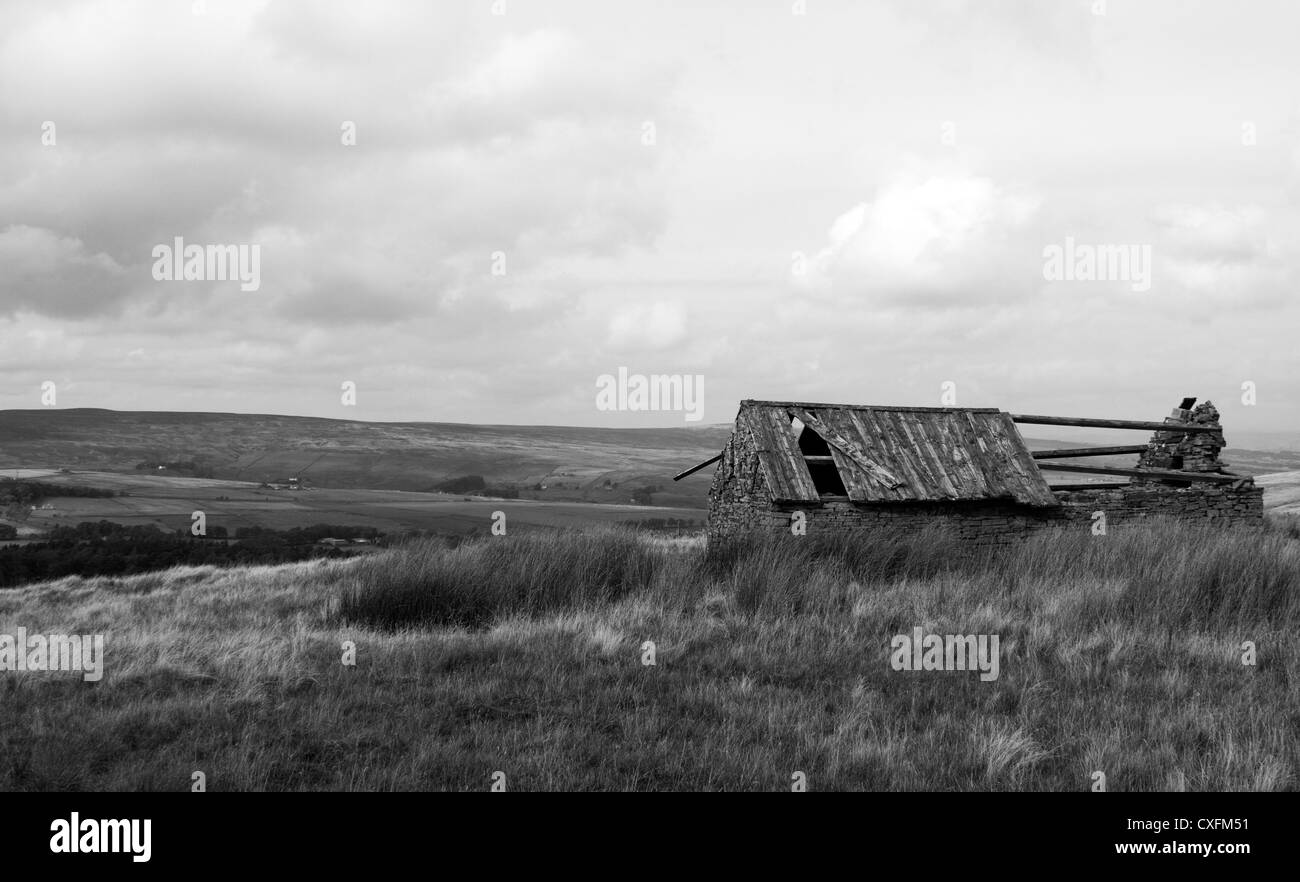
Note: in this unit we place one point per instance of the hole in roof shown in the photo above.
(812, 444)
(826, 479)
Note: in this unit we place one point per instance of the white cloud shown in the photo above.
(927, 236)
(521, 64)
(658, 325)
(1220, 255)
(1214, 233)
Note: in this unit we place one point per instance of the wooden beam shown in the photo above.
(1088, 451)
(852, 451)
(814, 405)
(1098, 485)
(693, 469)
(1112, 424)
(1161, 474)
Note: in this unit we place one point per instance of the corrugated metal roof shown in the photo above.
(896, 454)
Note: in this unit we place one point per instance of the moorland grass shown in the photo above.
(525, 654)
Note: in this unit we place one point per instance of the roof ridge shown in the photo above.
(755, 402)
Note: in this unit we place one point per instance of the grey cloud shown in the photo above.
(56, 275)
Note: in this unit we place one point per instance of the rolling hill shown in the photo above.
(572, 464)
(1281, 492)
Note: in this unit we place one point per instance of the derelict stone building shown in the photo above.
(853, 466)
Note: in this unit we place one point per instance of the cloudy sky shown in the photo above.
(822, 201)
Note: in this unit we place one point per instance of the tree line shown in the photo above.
(26, 492)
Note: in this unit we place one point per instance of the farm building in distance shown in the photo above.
(850, 466)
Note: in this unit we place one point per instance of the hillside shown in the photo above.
(1281, 492)
(574, 464)
(167, 503)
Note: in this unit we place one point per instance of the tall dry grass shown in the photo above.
(525, 654)
(1174, 575)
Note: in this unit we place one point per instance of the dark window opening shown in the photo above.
(817, 457)
(812, 444)
(826, 478)
(1176, 462)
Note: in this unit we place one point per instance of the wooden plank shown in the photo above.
(854, 453)
(947, 449)
(871, 438)
(753, 424)
(1006, 476)
(1020, 478)
(1162, 474)
(991, 475)
(926, 476)
(985, 456)
(1112, 424)
(1030, 486)
(693, 469)
(984, 480)
(1099, 485)
(858, 483)
(783, 465)
(790, 458)
(1035, 490)
(937, 444)
(914, 447)
(1088, 451)
(815, 405)
(996, 458)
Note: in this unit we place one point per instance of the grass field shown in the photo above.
(167, 502)
(524, 655)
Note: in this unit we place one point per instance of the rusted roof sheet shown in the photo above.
(936, 453)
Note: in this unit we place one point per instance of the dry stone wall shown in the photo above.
(1186, 451)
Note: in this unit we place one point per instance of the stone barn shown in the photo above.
(851, 466)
